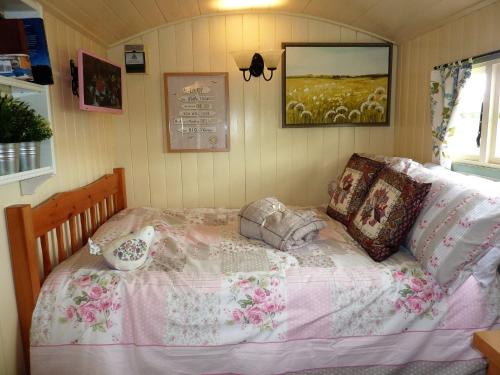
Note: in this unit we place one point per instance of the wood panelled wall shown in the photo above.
(293, 164)
(473, 34)
(84, 149)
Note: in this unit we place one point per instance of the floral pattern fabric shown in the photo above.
(214, 294)
(446, 83)
(388, 212)
(395, 162)
(88, 309)
(377, 208)
(255, 303)
(133, 249)
(459, 223)
(419, 293)
(352, 187)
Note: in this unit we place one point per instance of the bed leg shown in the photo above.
(27, 278)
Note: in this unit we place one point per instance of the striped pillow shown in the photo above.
(458, 225)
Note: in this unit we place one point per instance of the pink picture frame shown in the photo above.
(104, 87)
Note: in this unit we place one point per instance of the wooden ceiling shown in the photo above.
(110, 21)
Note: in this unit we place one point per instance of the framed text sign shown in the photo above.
(197, 112)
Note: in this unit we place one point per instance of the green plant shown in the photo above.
(36, 129)
(9, 132)
(20, 123)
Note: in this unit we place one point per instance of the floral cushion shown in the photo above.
(395, 162)
(387, 213)
(126, 253)
(349, 193)
(458, 225)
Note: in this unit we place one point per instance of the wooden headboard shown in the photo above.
(43, 236)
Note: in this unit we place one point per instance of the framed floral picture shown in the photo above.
(336, 84)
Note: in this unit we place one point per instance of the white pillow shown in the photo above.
(126, 253)
(487, 267)
(459, 224)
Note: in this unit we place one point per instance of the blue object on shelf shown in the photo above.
(38, 51)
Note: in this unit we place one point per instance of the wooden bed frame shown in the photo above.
(42, 237)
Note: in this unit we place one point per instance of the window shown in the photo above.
(477, 115)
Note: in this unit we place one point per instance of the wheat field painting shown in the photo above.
(336, 85)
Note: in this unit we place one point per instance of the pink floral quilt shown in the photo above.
(210, 301)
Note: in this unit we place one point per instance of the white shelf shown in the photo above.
(8, 178)
(20, 8)
(37, 96)
(20, 84)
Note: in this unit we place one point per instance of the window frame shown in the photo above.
(490, 118)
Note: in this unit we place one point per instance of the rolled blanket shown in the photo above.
(271, 221)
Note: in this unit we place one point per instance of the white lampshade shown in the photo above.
(272, 57)
(243, 59)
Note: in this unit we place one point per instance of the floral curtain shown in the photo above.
(446, 83)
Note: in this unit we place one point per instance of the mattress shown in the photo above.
(210, 301)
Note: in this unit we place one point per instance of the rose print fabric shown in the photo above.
(459, 224)
(210, 301)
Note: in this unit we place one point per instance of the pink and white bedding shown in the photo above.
(212, 302)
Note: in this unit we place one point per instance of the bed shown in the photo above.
(210, 301)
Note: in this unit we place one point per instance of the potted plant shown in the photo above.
(34, 129)
(9, 136)
(21, 131)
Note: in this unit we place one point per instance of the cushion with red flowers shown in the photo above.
(352, 187)
(395, 162)
(388, 213)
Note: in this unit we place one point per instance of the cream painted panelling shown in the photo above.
(84, 148)
(113, 21)
(293, 164)
(476, 33)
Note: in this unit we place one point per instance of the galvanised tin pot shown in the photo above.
(9, 158)
(29, 156)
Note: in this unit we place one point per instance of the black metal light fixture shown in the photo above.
(254, 63)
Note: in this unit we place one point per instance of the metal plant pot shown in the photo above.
(9, 160)
(29, 156)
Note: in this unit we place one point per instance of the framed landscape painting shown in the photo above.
(336, 84)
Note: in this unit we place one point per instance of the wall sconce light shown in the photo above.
(254, 62)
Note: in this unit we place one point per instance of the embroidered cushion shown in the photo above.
(349, 193)
(458, 225)
(126, 253)
(395, 162)
(387, 213)
(332, 186)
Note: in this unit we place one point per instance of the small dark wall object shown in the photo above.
(74, 77)
(135, 60)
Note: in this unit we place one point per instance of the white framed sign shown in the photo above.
(197, 112)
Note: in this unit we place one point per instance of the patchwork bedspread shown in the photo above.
(210, 301)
